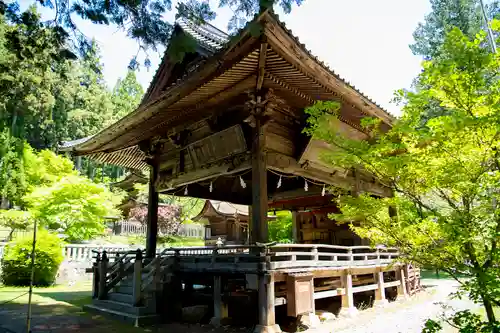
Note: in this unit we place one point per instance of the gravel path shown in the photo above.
(401, 317)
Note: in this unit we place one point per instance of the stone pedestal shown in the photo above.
(380, 303)
(310, 320)
(348, 312)
(267, 329)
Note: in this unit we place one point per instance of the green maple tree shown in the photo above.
(444, 171)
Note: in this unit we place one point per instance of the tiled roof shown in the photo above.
(205, 34)
(226, 208)
(67, 145)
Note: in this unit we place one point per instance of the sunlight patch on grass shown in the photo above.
(76, 295)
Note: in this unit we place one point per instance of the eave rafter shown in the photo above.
(205, 105)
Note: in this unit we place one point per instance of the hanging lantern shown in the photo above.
(211, 187)
(242, 183)
(186, 190)
(279, 183)
(306, 186)
(323, 191)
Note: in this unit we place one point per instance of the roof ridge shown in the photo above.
(204, 23)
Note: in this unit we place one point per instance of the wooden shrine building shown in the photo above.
(227, 124)
(224, 220)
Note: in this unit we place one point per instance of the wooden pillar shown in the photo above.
(220, 309)
(259, 180)
(103, 268)
(348, 309)
(237, 231)
(267, 320)
(380, 299)
(137, 279)
(295, 227)
(95, 277)
(400, 275)
(152, 226)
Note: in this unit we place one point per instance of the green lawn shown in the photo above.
(76, 295)
(59, 307)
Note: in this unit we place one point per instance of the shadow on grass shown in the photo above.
(436, 275)
(58, 318)
(76, 298)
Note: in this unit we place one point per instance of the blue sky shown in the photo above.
(364, 41)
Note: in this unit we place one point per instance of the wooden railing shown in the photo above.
(306, 255)
(148, 275)
(108, 270)
(283, 256)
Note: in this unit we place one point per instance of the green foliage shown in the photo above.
(32, 73)
(46, 98)
(76, 205)
(464, 321)
(280, 229)
(12, 177)
(45, 167)
(25, 170)
(143, 20)
(127, 95)
(16, 261)
(178, 241)
(444, 171)
(445, 15)
(15, 220)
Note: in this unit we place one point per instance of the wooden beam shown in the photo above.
(226, 168)
(262, 65)
(152, 223)
(286, 164)
(259, 158)
(215, 67)
(285, 85)
(200, 109)
(259, 184)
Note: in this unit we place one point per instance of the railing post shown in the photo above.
(351, 257)
(157, 274)
(215, 252)
(136, 282)
(95, 277)
(315, 255)
(348, 309)
(400, 275)
(380, 299)
(378, 256)
(103, 272)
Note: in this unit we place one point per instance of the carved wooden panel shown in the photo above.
(218, 146)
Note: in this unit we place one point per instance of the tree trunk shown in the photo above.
(11, 234)
(490, 314)
(4, 204)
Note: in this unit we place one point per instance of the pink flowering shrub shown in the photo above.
(169, 218)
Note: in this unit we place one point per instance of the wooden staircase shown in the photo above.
(128, 288)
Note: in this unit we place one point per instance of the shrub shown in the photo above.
(16, 261)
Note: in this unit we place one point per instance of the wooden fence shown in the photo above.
(193, 230)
